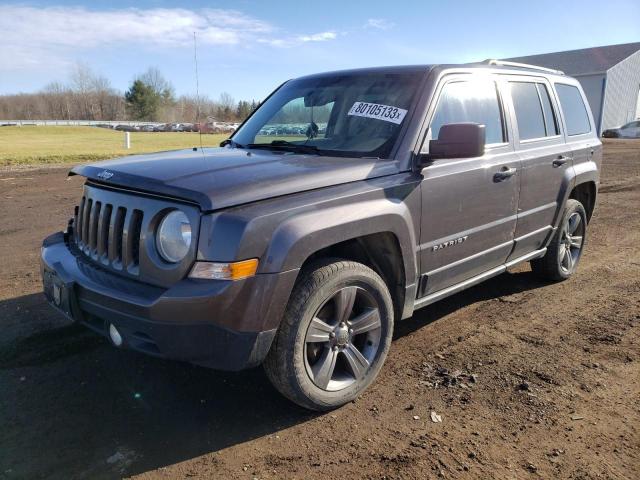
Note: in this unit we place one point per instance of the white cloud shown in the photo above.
(292, 41)
(77, 26)
(318, 37)
(51, 36)
(379, 23)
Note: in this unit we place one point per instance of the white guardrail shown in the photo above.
(74, 122)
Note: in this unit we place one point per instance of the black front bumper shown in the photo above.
(219, 324)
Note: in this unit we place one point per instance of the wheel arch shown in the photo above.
(585, 193)
(379, 234)
(580, 182)
(379, 251)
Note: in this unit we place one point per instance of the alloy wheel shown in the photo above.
(571, 242)
(343, 339)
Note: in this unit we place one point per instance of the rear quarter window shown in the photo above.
(574, 109)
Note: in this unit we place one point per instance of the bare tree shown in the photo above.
(58, 98)
(89, 96)
(82, 86)
(154, 78)
(93, 97)
(226, 107)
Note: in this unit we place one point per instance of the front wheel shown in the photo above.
(565, 249)
(334, 336)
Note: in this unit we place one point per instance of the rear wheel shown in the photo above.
(334, 337)
(565, 248)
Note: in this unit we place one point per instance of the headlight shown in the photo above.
(173, 238)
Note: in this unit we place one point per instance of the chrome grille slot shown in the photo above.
(78, 224)
(103, 233)
(85, 222)
(93, 229)
(115, 237)
(75, 219)
(133, 239)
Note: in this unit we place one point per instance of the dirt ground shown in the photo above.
(531, 380)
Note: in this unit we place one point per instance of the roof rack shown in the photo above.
(505, 63)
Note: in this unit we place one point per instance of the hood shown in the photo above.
(224, 177)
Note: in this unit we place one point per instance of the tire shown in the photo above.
(314, 361)
(558, 264)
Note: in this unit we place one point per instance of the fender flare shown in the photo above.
(579, 174)
(300, 236)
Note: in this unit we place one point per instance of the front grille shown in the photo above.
(108, 233)
(115, 229)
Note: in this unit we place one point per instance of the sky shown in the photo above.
(247, 48)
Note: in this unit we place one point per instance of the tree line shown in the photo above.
(90, 96)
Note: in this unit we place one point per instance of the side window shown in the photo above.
(529, 116)
(574, 109)
(470, 101)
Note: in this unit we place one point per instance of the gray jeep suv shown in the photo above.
(344, 203)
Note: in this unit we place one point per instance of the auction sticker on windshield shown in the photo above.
(381, 112)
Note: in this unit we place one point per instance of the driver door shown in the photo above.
(469, 205)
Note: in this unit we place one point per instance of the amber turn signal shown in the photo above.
(225, 271)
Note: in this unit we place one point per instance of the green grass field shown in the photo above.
(34, 145)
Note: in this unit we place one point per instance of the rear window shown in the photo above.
(574, 109)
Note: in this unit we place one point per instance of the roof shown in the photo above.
(583, 61)
(418, 69)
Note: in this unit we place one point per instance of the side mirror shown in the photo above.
(457, 140)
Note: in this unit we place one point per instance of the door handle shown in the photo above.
(505, 173)
(561, 160)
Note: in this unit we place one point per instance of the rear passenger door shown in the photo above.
(544, 158)
(468, 204)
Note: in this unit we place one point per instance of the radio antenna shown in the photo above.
(195, 62)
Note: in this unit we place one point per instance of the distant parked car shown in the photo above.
(209, 128)
(629, 130)
(147, 128)
(126, 128)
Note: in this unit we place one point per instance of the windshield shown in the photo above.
(351, 115)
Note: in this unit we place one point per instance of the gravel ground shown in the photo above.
(528, 379)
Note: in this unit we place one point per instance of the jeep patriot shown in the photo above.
(345, 202)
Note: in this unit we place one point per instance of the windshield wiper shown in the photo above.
(284, 145)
